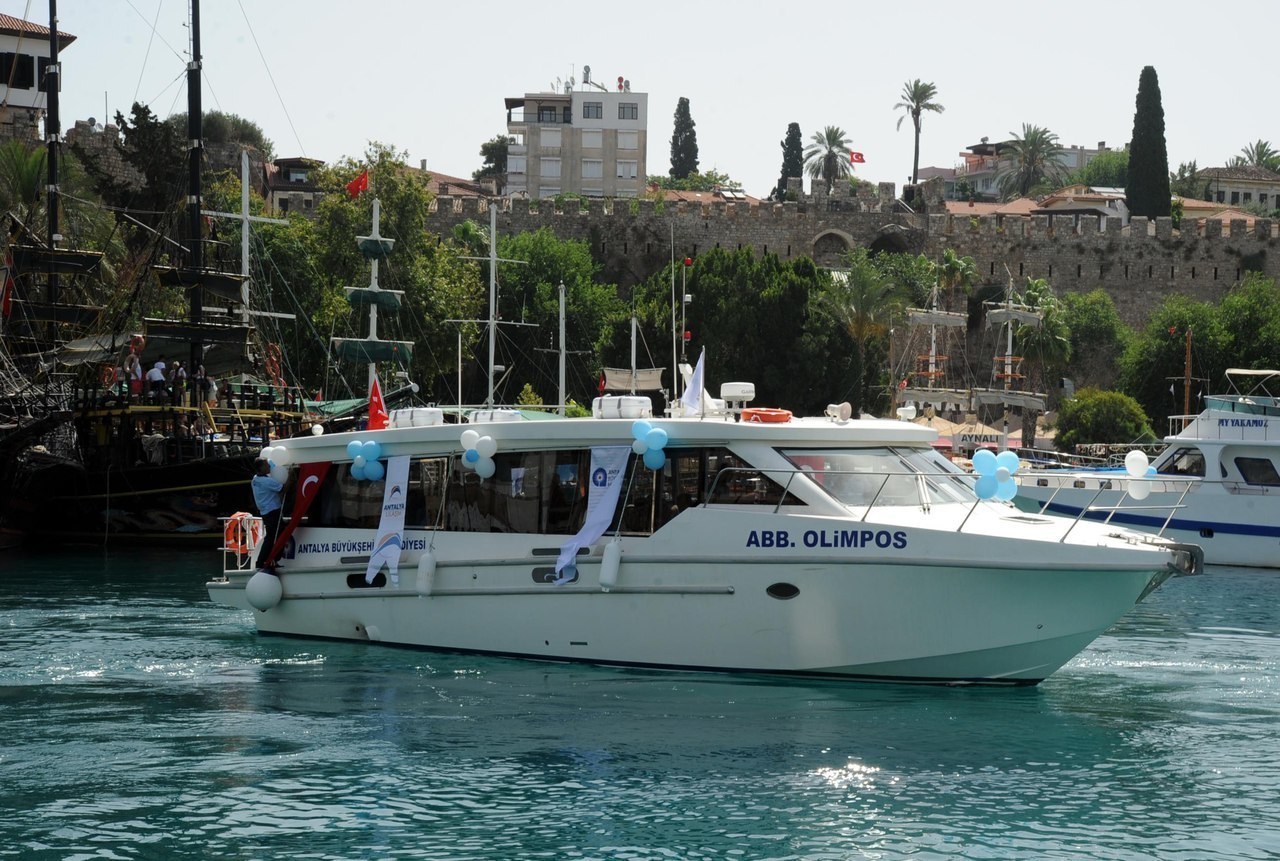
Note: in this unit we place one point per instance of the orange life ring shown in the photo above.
(108, 375)
(768, 415)
(242, 533)
(137, 344)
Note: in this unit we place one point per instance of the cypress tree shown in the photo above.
(684, 143)
(792, 159)
(1147, 191)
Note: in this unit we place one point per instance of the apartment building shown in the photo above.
(591, 141)
(24, 61)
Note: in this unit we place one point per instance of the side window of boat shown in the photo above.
(1184, 461)
(426, 492)
(1258, 470)
(731, 480)
(347, 502)
(529, 492)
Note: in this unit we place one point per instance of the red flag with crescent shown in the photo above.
(378, 417)
(310, 477)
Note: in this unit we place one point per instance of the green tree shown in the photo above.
(1257, 154)
(917, 97)
(1098, 338)
(955, 273)
(1186, 182)
(1147, 191)
(827, 156)
(913, 275)
(1099, 416)
(684, 142)
(494, 152)
(1108, 169)
(1153, 366)
(23, 181)
(1045, 348)
(792, 159)
(710, 180)
(220, 127)
(862, 301)
(1028, 160)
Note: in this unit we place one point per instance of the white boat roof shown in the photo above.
(582, 432)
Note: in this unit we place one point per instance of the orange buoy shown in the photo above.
(767, 415)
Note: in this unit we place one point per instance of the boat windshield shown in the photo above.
(884, 475)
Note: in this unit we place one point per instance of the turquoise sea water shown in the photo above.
(139, 721)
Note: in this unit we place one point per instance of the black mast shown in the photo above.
(195, 138)
(52, 131)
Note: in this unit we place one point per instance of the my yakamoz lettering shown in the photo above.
(1242, 423)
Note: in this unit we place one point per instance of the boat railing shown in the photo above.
(1127, 503)
(241, 537)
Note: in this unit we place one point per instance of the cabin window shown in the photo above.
(530, 492)
(731, 480)
(1184, 461)
(1258, 471)
(345, 502)
(883, 476)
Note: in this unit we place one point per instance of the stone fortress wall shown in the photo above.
(1137, 264)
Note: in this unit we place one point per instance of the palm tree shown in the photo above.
(917, 97)
(1028, 161)
(1046, 347)
(955, 272)
(861, 300)
(22, 181)
(1257, 154)
(828, 155)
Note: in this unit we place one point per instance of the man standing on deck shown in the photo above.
(268, 495)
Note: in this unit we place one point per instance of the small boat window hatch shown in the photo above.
(357, 581)
(782, 591)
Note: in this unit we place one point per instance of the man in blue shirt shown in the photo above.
(268, 495)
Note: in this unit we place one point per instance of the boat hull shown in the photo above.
(872, 619)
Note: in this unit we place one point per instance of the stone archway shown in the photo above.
(891, 239)
(829, 248)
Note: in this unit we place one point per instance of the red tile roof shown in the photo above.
(11, 26)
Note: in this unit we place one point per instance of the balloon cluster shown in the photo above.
(995, 474)
(478, 452)
(1135, 463)
(364, 460)
(649, 442)
(278, 457)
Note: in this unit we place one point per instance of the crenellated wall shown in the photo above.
(1137, 264)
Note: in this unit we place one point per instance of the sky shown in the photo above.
(324, 78)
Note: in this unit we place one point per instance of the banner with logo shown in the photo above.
(608, 466)
(386, 547)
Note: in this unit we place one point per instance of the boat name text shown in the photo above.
(1242, 423)
(882, 538)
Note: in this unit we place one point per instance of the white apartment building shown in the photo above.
(24, 57)
(590, 141)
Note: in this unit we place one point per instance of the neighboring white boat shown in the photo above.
(1216, 483)
(760, 543)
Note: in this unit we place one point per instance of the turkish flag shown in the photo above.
(857, 158)
(378, 417)
(359, 184)
(310, 477)
(600, 385)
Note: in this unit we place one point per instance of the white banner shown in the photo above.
(608, 466)
(691, 400)
(386, 547)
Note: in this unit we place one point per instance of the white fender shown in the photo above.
(426, 572)
(610, 564)
(263, 591)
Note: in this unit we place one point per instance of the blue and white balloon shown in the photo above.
(995, 474)
(649, 443)
(374, 470)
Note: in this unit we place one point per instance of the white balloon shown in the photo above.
(469, 438)
(487, 446)
(485, 467)
(639, 446)
(1002, 473)
(265, 453)
(282, 456)
(1139, 488)
(317, 430)
(1135, 463)
(359, 461)
(280, 473)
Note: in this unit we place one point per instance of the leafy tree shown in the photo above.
(917, 97)
(684, 142)
(1250, 313)
(23, 181)
(1187, 182)
(220, 127)
(1098, 337)
(711, 180)
(1147, 190)
(913, 275)
(1108, 169)
(494, 152)
(827, 156)
(1028, 160)
(792, 159)
(1099, 416)
(1257, 154)
(862, 301)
